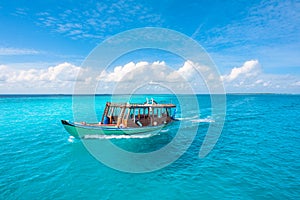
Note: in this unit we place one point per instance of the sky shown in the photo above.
(255, 45)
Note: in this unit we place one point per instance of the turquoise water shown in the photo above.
(256, 157)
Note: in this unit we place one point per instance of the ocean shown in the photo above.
(257, 156)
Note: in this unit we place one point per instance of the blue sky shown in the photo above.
(255, 44)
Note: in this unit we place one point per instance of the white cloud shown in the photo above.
(155, 76)
(259, 81)
(191, 76)
(55, 77)
(267, 20)
(250, 78)
(187, 71)
(15, 51)
(62, 72)
(264, 30)
(249, 69)
(296, 83)
(156, 71)
(130, 71)
(99, 20)
(61, 78)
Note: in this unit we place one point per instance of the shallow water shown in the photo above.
(256, 157)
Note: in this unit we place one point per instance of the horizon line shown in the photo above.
(106, 94)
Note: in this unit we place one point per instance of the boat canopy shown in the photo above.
(137, 114)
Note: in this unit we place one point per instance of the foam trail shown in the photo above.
(196, 119)
(71, 139)
(164, 131)
(203, 120)
(107, 137)
(186, 118)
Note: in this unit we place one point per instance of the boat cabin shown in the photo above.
(137, 115)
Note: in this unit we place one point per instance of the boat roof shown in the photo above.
(141, 105)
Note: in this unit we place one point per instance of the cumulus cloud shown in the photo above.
(133, 71)
(187, 78)
(132, 76)
(149, 71)
(150, 77)
(62, 72)
(187, 71)
(297, 83)
(61, 75)
(250, 78)
(124, 77)
(250, 68)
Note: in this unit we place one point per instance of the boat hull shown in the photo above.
(80, 130)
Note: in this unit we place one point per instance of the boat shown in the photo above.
(125, 118)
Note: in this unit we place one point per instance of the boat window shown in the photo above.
(150, 111)
(131, 113)
(163, 111)
(141, 112)
(168, 111)
(117, 111)
(126, 113)
(111, 110)
(159, 113)
(136, 111)
(155, 111)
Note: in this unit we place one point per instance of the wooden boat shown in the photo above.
(125, 118)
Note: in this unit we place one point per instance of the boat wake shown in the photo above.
(164, 131)
(196, 119)
(108, 137)
(71, 139)
(186, 118)
(209, 120)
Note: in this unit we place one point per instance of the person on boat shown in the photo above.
(137, 121)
